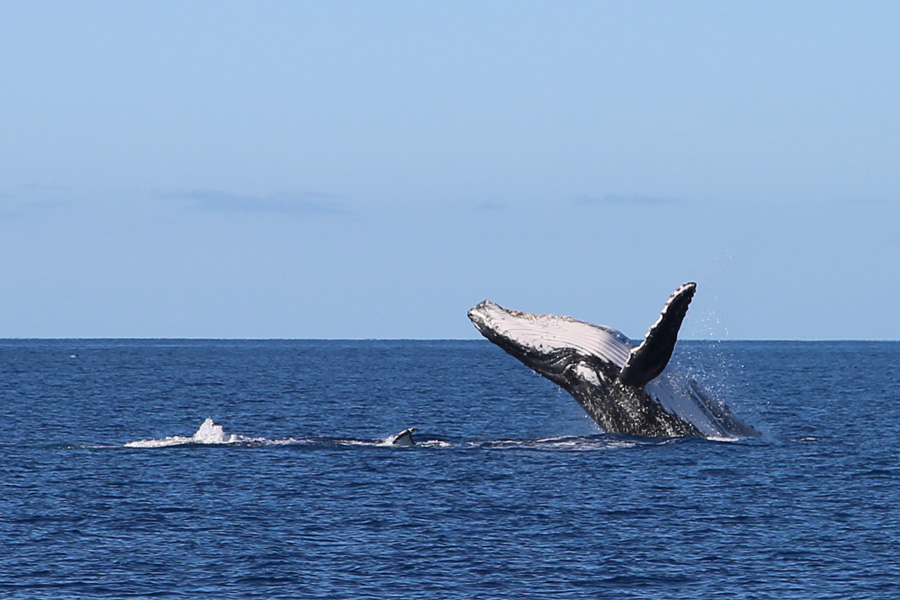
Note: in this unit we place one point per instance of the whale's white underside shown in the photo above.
(546, 333)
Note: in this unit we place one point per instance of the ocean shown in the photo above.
(510, 492)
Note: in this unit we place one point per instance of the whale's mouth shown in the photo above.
(482, 316)
(508, 329)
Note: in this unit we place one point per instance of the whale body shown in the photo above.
(625, 387)
(404, 438)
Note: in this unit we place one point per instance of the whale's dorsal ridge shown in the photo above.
(648, 360)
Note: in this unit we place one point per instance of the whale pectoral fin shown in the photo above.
(404, 438)
(647, 361)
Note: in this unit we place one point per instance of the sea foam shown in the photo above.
(209, 432)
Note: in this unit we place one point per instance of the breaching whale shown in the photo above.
(404, 438)
(625, 387)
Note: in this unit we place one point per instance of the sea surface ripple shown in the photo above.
(111, 487)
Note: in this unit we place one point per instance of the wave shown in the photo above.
(600, 441)
(214, 434)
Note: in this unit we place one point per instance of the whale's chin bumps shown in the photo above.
(625, 388)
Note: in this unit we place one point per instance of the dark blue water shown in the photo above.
(511, 493)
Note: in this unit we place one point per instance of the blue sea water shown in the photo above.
(511, 491)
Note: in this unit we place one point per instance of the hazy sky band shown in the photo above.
(231, 169)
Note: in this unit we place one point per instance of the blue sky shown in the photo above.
(373, 169)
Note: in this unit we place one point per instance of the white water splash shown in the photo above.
(212, 433)
(209, 432)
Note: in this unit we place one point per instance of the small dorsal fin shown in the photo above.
(648, 360)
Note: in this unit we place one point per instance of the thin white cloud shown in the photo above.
(30, 200)
(302, 204)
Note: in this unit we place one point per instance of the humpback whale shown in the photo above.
(404, 438)
(625, 387)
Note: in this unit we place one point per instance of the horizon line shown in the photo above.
(404, 339)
